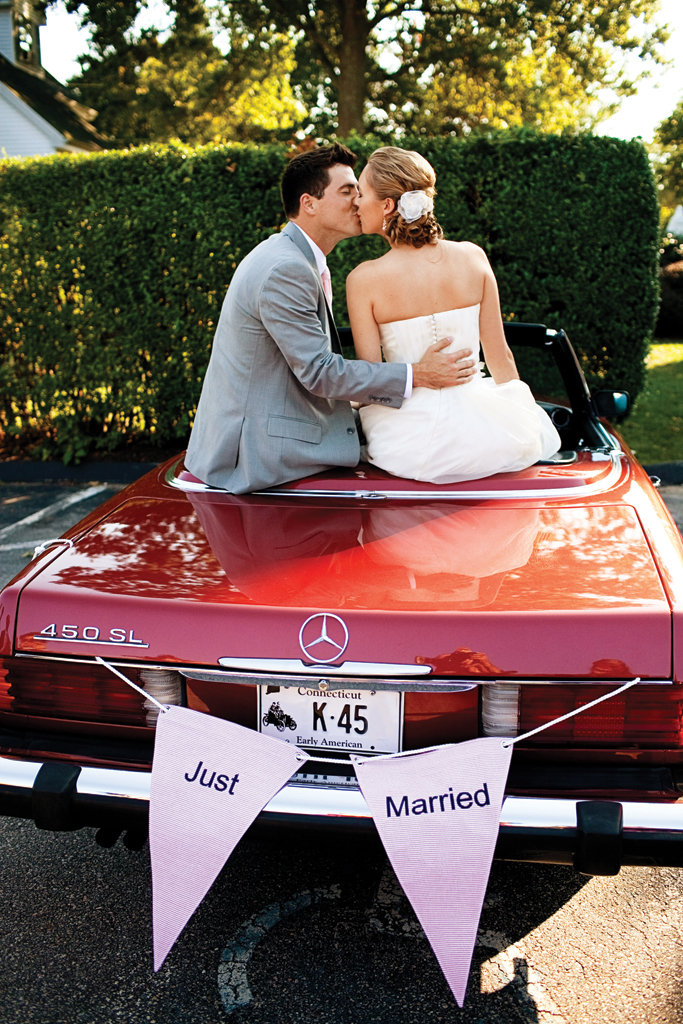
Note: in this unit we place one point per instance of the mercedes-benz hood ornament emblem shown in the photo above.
(324, 638)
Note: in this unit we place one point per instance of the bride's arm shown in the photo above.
(497, 355)
(364, 327)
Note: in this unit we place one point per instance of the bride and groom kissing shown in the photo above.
(276, 400)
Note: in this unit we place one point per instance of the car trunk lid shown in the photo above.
(464, 590)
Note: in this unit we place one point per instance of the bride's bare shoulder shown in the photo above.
(365, 271)
(466, 250)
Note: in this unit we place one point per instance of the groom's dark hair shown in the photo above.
(309, 173)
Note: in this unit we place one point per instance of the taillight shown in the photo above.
(83, 691)
(649, 715)
(165, 686)
(500, 709)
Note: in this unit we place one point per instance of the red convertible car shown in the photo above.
(355, 612)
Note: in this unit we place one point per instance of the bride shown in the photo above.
(423, 289)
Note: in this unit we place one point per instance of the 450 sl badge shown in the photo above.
(89, 635)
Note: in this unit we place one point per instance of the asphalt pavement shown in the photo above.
(31, 513)
(306, 931)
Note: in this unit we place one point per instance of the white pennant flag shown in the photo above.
(438, 813)
(210, 779)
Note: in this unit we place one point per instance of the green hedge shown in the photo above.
(113, 267)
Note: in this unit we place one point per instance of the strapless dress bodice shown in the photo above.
(406, 341)
(458, 433)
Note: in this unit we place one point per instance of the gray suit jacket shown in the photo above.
(275, 401)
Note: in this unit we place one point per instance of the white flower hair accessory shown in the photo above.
(413, 205)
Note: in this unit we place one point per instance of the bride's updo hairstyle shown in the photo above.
(393, 171)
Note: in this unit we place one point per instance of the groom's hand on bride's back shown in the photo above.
(439, 369)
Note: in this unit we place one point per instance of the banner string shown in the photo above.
(504, 743)
(162, 707)
(563, 718)
(304, 756)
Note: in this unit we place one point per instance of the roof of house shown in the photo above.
(54, 103)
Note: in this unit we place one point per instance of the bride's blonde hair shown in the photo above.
(393, 171)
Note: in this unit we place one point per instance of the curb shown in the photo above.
(670, 473)
(102, 472)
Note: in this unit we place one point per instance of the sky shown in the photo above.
(658, 95)
(61, 41)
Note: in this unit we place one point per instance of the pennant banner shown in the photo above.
(438, 813)
(210, 779)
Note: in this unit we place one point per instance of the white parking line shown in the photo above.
(390, 913)
(233, 983)
(21, 545)
(42, 513)
(511, 968)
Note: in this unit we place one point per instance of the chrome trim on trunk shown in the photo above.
(347, 668)
(321, 680)
(377, 494)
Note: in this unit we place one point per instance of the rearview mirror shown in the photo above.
(611, 404)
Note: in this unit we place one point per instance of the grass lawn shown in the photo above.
(655, 427)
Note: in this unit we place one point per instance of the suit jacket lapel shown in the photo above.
(293, 232)
(334, 336)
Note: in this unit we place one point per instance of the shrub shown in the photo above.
(113, 267)
(112, 274)
(670, 321)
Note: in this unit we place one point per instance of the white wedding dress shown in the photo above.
(460, 433)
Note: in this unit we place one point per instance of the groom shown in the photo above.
(275, 402)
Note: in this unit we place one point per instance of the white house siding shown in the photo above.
(22, 131)
(6, 41)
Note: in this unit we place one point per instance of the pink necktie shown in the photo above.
(327, 285)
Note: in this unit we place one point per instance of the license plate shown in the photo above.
(338, 721)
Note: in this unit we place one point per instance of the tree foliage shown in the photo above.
(153, 87)
(669, 164)
(539, 92)
(446, 65)
(381, 66)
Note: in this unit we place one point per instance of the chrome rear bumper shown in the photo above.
(596, 836)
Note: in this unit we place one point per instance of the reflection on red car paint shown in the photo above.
(517, 585)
